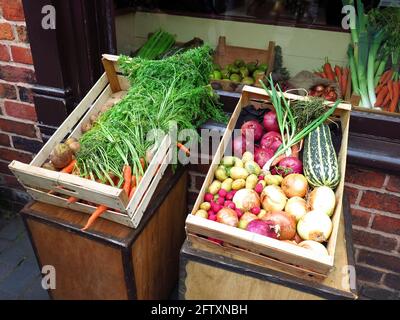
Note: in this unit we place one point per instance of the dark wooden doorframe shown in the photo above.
(67, 59)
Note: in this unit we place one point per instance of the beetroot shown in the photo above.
(208, 197)
(259, 188)
(252, 127)
(261, 156)
(270, 123)
(287, 166)
(222, 193)
(271, 140)
(265, 228)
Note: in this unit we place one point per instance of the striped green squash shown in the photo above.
(320, 164)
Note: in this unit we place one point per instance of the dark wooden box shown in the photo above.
(112, 261)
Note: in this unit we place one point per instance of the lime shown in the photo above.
(244, 72)
(217, 75)
(248, 80)
(235, 77)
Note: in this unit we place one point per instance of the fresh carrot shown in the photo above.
(69, 167)
(396, 95)
(133, 182)
(386, 101)
(97, 213)
(138, 180)
(183, 148)
(127, 173)
(338, 73)
(387, 76)
(142, 163)
(72, 199)
(132, 192)
(345, 78)
(379, 88)
(390, 88)
(381, 96)
(328, 70)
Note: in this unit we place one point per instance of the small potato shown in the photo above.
(86, 126)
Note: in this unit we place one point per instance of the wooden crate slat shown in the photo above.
(71, 185)
(71, 121)
(78, 206)
(149, 193)
(148, 175)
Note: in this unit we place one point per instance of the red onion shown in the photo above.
(287, 166)
(261, 156)
(265, 228)
(270, 123)
(252, 127)
(271, 140)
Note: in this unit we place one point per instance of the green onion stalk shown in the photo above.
(286, 119)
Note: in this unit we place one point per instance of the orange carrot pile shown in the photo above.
(338, 74)
(388, 92)
(97, 213)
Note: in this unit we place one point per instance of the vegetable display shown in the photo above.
(266, 191)
(114, 148)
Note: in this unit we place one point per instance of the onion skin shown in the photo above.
(246, 199)
(322, 199)
(295, 185)
(286, 223)
(227, 216)
(314, 246)
(296, 207)
(315, 225)
(273, 198)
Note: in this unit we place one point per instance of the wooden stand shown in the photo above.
(205, 274)
(112, 261)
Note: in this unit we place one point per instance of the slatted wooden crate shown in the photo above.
(256, 248)
(39, 181)
(226, 54)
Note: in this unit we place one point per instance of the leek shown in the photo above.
(375, 45)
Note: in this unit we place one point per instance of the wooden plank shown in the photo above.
(280, 250)
(111, 75)
(271, 56)
(70, 185)
(237, 253)
(139, 212)
(148, 175)
(114, 59)
(70, 122)
(78, 206)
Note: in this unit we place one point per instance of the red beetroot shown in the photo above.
(259, 188)
(212, 217)
(215, 207)
(208, 197)
(215, 240)
(239, 212)
(231, 206)
(220, 201)
(260, 178)
(229, 195)
(255, 210)
(222, 193)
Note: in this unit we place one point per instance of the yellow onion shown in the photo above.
(314, 246)
(246, 199)
(273, 198)
(297, 207)
(285, 224)
(322, 199)
(294, 185)
(315, 225)
(227, 216)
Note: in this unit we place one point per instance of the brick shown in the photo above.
(21, 54)
(364, 177)
(386, 224)
(394, 184)
(12, 154)
(4, 167)
(360, 217)
(373, 240)
(23, 129)
(352, 194)
(368, 274)
(17, 74)
(4, 140)
(377, 293)
(379, 260)
(13, 10)
(6, 32)
(22, 34)
(20, 110)
(25, 94)
(7, 91)
(30, 145)
(4, 55)
(392, 281)
(380, 201)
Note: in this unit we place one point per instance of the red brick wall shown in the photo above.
(375, 208)
(19, 135)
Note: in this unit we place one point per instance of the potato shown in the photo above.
(247, 156)
(86, 126)
(252, 167)
(61, 156)
(238, 163)
(205, 206)
(227, 184)
(238, 173)
(238, 184)
(273, 179)
(228, 161)
(214, 187)
(221, 174)
(251, 181)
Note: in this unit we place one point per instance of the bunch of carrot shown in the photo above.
(388, 91)
(338, 74)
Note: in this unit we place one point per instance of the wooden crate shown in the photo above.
(226, 54)
(263, 250)
(38, 181)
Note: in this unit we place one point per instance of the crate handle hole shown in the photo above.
(67, 189)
